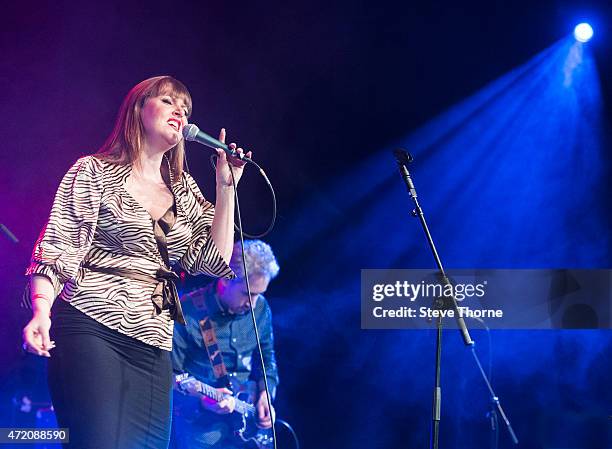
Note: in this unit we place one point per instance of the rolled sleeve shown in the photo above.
(202, 255)
(67, 236)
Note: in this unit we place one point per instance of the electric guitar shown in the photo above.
(244, 416)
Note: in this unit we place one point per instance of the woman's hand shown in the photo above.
(226, 163)
(36, 335)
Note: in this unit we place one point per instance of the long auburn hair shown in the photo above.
(124, 144)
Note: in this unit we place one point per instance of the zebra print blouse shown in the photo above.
(95, 221)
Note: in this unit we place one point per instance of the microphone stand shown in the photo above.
(8, 234)
(403, 159)
(495, 408)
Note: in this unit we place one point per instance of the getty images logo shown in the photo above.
(412, 291)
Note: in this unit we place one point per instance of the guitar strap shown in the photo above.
(210, 341)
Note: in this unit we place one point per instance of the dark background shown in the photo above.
(511, 175)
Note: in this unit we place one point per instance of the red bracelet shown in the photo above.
(43, 296)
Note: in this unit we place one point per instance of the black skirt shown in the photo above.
(108, 389)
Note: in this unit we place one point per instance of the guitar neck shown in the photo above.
(241, 407)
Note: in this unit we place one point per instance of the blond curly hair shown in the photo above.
(260, 260)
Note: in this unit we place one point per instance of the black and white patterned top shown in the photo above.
(95, 221)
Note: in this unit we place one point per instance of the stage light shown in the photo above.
(583, 32)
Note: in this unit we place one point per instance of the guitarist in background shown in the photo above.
(198, 420)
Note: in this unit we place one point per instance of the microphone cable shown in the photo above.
(238, 227)
(248, 287)
(241, 233)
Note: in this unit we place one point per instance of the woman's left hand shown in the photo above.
(226, 163)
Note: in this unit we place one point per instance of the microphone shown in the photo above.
(402, 156)
(193, 134)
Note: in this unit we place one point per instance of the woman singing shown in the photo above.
(120, 220)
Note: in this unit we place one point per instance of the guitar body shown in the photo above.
(245, 427)
(243, 420)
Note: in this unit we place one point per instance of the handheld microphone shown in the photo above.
(193, 134)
